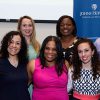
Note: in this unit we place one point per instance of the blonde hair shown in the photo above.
(33, 40)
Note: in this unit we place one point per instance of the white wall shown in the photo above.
(42, 29)
(61, 7)
(37, 9)
(52, 11)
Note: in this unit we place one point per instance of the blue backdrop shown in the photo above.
(87, 17)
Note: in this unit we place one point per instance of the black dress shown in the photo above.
(68, 52)
(13, 81)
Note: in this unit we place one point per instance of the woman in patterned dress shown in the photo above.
(86, 71)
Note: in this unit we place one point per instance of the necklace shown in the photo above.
(13, 62)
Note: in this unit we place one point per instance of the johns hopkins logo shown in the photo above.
(94, 6)
(93, 13)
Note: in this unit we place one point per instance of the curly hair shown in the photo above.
(4, 45)
(77, 63)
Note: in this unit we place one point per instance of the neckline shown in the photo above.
(14, 66)
(73, 43)
(86, 69)
(53, 66)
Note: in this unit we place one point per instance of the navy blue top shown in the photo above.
(13, 81)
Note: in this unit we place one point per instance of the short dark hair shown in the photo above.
(58, 33)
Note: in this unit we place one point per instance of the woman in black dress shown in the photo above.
(66, 30)
(13, 72)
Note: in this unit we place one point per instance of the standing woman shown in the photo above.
(86, 73)
(66, 30)
(26, 26)
(13, 72)
(48, 72)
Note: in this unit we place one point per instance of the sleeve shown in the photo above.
(69, 85)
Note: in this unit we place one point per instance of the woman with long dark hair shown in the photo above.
(48, 72)
(86, 71)
(13, 70)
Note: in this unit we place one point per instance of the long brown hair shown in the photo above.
(77, 63)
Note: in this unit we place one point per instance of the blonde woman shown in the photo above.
(26, 26)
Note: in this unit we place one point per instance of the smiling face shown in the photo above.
(50, 52)
(66, 27)
(85, 53)
(26, 27)
(14, 45)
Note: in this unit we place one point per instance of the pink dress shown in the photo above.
(47, 84)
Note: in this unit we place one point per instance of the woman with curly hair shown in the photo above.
(13, 71)
(86, 71)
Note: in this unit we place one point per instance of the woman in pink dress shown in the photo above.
(48, 72)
